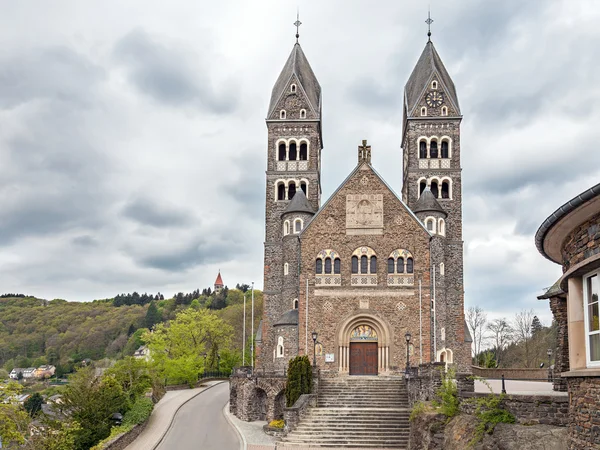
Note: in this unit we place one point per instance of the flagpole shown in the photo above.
(244, 335)
(252, 338)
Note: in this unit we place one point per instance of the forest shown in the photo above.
(34, 331)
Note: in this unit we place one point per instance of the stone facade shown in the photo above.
(584, 426)
(558, 306)
(582, 243)
(256, 397)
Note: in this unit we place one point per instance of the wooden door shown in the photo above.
(363, 358)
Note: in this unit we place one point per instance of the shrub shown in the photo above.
(418, 409)
(448, 403)
(277, 423)
(299, 379)
(139, 412)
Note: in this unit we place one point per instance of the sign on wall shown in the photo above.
(329, 357)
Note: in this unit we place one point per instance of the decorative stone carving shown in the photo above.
(364, 212)
(363, 303)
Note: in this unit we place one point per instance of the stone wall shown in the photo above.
(424, 381)
(582, 242)
(511, 374)
(294, 414)
(527, 409)
(584, 427)
(558, 306)
(256, 397)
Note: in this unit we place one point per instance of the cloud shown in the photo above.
(147, 212)
(168, 75)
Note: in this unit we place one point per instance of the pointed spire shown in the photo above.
(219, 281)
(299, 203)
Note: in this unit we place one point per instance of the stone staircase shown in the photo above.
(355, 412)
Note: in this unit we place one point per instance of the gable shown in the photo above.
(364, 204)
(293, 101)
(435, 95)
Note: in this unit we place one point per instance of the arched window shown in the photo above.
(444, 149)
(423, 111)
(286, 268)
(400, 265)
(337, 266)
(303, 187)
(434, 189)
(443, 334)
(430, 224)
(281, 155)
(445, 189)
(442, 227)
(409, 265)
(433, 149)
(327, 265)
(295, 304)
(422, 149)
(293, 88)
(442, 269)
(364, 264)
(355, 264)
(286, 227)
(303, 114)
(422, 186)
(319, 266)
(298, 225)
(373, 264)
(434, 84)
(303, 151)
(444, 110)
(293, 152)
(292, 190)
(391, 264)
(281, 191)
(280, 348)
(282, 114)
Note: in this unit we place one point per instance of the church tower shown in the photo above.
(432, 188)
(293, 173)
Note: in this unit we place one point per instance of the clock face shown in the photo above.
(434, 99)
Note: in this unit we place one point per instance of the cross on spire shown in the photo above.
(297, 24)
(429, 21)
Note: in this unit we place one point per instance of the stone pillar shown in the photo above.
(558, 306)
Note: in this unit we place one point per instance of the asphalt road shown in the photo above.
(201, 425)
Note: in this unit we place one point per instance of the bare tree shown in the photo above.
(523, 334)
(502, 333)
(476, 320)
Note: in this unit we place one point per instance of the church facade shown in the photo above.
(369, 278)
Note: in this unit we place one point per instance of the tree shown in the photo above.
(133, 375)
(91, 401)
(523, 334)
(153, 316)
(536, 325)
(14, 420)
(242, 287)
(501, 332)
(177, 348)
(33, 404)
(476, 320)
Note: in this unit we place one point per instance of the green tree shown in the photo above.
(33, 404)
(91, 401)
(54, 435)
(14, 420)
(299, 380)
(153, 316)
(177, 348)
(3, 374)
(133, 375)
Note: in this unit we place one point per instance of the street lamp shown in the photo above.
(314, 338)
(549, 353)
(407, 337)
(218, 362)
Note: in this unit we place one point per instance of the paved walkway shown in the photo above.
(163, 415)
(515, 387)
(252, 432)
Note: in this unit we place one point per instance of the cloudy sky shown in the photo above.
(133, 142)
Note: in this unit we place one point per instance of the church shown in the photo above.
(370, 281)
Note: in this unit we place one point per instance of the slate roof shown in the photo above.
(299, 203)
(428, 64)
(427, 202)
(297, 65)
(288, 318)
(553, 291)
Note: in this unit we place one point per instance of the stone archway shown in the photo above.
(369, 322)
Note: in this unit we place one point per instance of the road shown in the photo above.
(200, 424)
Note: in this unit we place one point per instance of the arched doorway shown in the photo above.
(368, 338)
(363, 351)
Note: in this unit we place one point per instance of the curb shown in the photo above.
(177, 410)
(234, 426)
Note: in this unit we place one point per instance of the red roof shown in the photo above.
(219, 281)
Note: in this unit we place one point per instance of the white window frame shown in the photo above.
(303, 114)
(434, 84)
(293, 88)
(282, 114)
(301, 222)
(423, 111)
(286, 268)
(280, 353)
(589, 362)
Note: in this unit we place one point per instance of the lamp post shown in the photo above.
(549, 353)
(407, 337)
(314, 338)
(205, 355)
(218, 362)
